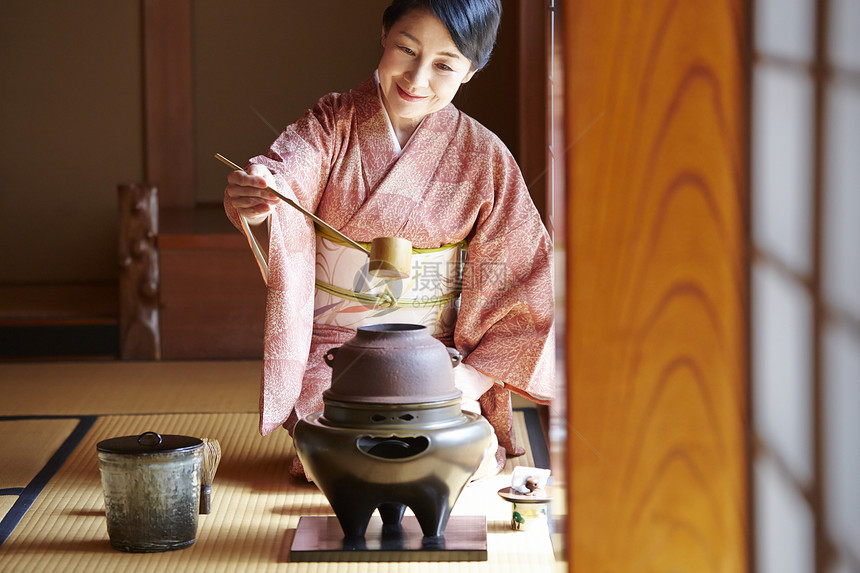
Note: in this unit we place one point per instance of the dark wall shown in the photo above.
(72, 108)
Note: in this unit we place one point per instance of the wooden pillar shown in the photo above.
(533, 100)
(140, 337)
(169, 101)
(656, 285)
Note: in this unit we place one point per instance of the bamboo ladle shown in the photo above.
(390, 257)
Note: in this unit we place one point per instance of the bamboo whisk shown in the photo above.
(211, 459)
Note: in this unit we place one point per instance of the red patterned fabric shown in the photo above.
(455, 180)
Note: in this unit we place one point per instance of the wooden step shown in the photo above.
(59, 321)
(59, 303)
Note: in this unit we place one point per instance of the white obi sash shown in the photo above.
(347, 296)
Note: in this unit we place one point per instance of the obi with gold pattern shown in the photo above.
(348, 296)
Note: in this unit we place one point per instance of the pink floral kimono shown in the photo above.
(454, 181)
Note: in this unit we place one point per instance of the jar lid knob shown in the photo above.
(149, 439)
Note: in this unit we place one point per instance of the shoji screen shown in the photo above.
(806, 285)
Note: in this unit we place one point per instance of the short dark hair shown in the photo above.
(473, 24)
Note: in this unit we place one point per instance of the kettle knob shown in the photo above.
(455, 356)
(330, 355)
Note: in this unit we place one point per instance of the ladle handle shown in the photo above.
(298, 207)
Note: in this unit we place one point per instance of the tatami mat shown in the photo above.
(6, 503)
(255, 510)
(78, 388)
(27, 445)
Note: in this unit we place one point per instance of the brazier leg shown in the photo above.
(432, 514)
(392, 513)
(353, 518)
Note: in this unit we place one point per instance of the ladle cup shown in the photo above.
(390, 257)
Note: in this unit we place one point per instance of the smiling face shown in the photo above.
(420, 71)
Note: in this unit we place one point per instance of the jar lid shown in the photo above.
(149, 443)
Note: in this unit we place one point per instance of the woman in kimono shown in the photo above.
(394, 157)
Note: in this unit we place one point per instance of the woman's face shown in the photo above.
(421, 68)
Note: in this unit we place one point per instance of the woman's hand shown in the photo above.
(246, 192)
(473, 383)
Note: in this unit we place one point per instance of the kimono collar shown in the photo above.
(394, 140)
(380, 153)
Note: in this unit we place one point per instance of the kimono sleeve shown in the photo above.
(505, 325)
(301, 157)
(300, 160)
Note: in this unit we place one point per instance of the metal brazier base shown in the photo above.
(389, 456)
